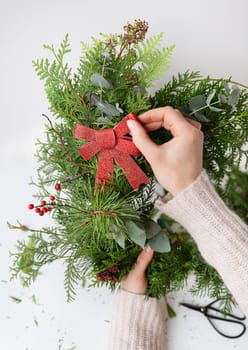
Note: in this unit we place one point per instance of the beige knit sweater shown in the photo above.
(222, 238)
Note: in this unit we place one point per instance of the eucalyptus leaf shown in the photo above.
(106, 55)
(119, 237)
(152, 228)
(98, 80)
(136, 233)
(197, 102)
(103, 106)
(93, 98)
(222, 98)
(233, 97)
(108, 109)
(160, 243)
(103, 120)
(187, 112)
(215, 109)
(119, 108)
(184, 110)
(226, 87)
(200, 117)
(210, 97)
(163, 223)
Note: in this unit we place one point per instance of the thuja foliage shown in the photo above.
(98, 232)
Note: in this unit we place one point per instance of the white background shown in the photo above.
(210, 36)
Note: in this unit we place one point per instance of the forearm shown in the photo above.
(220, 234)
(138, 323)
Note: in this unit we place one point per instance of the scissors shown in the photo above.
(220, 315)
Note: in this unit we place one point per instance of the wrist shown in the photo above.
(182, 183)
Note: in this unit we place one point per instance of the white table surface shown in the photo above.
(209, 36)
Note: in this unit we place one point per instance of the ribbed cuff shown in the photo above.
(222, 237)
(138, 323)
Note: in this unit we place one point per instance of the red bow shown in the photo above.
(112, 144)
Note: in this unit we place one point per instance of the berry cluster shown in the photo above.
(108, 275)
(45, 206)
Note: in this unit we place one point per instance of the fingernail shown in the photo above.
(148, 248)
(131, 125)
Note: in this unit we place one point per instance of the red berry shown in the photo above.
(44, 210)
(43, 203)
(41, 213)
(37, 210)
(57, 187)
(52, 198)
(31, 206)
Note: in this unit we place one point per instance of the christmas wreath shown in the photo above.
(99, 189)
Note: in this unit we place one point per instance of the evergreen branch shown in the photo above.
(56, 73)
(231, 121)
(48, 71)
(63, 146)
(72, 277)
(152, 61)
(63, 49)
(227, 80)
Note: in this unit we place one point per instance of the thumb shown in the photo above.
(141, 140)
(143, 260)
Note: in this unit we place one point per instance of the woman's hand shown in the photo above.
(135, 281)
(178, 162)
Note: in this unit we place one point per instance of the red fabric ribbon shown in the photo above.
(112, 144)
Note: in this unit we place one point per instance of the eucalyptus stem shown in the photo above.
(204, 107)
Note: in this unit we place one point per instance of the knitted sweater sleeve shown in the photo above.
(221, 236)
(138, 323)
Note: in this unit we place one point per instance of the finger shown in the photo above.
(195, 123)
(152, 126)
(168, 117)
(142, 140)
(143, 260)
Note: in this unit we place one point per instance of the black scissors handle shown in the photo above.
(226, 314)
(226, 317)
(212, 317)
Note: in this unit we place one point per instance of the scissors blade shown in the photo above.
(194, 307)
